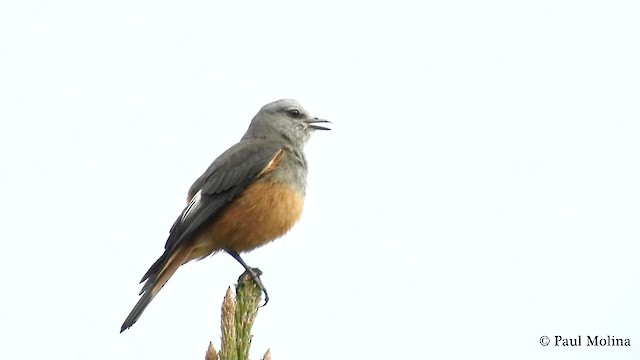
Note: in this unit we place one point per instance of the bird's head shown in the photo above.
(284, 119)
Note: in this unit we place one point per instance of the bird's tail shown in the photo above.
(155, 282)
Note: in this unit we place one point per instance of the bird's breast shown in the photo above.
(264, 211)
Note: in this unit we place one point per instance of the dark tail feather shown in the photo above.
(155, 281)
(155, 268)
(142, 304)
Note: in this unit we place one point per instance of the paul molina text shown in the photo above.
(591, 340)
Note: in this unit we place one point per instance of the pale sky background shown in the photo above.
(479, 189)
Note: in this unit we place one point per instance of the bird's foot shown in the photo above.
(254, 275)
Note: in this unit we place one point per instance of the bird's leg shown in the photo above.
(254, 273)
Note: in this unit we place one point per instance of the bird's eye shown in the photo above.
(294, 113)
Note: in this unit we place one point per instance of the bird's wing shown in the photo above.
(223, 181)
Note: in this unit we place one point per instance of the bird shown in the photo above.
(250, 195)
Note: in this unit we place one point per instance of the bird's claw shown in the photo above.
(254, 275)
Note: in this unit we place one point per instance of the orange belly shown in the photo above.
(262, 213)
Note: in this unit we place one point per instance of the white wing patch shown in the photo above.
(193, 205)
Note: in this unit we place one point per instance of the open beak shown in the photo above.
(312, 124)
